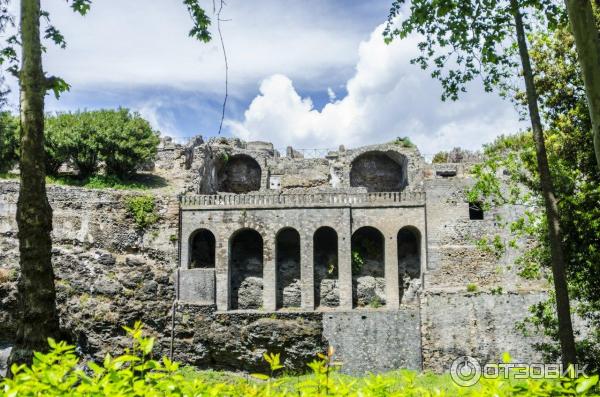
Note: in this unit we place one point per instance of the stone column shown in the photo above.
(184, 258)
(345, 261)
(392, 281)
(269, 275)
(307, 272)
(222, 272)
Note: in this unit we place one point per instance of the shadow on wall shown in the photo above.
(246, 267)
(379, 171)
(289, 287)
(238, 174)
(368, 268)
(409, 261)
(202, 247)
(325, 245)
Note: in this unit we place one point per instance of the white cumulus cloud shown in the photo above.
(386, 97)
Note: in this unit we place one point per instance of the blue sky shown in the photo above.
(311, 73)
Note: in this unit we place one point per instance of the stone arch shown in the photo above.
(368, 267)
(239, 173)
(202, 249)
(287, 259)
(326, 274)
(246, 269)
(409, 261)
(379, 171)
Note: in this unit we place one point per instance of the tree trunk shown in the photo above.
(583, 25)
(37, 297)
(565, 328)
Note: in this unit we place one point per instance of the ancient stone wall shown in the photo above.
(230, 165)
(305, 212)
(480, 325)
(266, 220)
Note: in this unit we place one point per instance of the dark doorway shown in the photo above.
(368, 268)
(246, 269)
(202, 250)
(289, 287)
(325, 245)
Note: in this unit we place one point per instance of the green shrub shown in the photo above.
(136, 373)
(143, 210)
(471, 287)
(358, 261)
(120, 138)
(440, 157)
(9, 141)
(375, 303)
(74, 137)
(404, 142)
(127, 141)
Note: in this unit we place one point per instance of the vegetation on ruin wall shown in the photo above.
(577, 183)
(120, 140)
(136, 373)
(143, 210)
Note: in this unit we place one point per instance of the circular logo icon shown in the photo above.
(465, 371)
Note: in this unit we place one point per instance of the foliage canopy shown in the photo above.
(577, 182)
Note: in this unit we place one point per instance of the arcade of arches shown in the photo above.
(248, 286)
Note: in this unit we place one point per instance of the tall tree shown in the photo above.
(468, 37)
(563, 307)
(572, 161)
(39, 318)
(37, 307)
(587, 40)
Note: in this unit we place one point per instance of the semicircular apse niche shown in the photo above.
(239, 174)
(379, 171)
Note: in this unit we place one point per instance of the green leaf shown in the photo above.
(586, 383)
(260, 376)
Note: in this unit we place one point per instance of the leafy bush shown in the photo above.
(358, 261)
(71, 137)
(121, 139)
(126, 141)
(143, 210)
(9, 138)
(471, 287)
(136, 373)
(404, 142)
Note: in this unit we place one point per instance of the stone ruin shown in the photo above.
(369, 250)
(262, 231)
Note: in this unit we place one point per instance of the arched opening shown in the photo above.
(246, 269)
(238, 174)
(379, 171)
(202, 250)
(368, 268)
(325, 246)
(409, 261)
(287, 252)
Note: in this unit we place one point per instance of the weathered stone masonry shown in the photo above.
(388, 213)
(369, 250)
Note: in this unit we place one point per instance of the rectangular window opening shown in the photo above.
(475, 211)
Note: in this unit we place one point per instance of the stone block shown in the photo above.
(197, 286)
